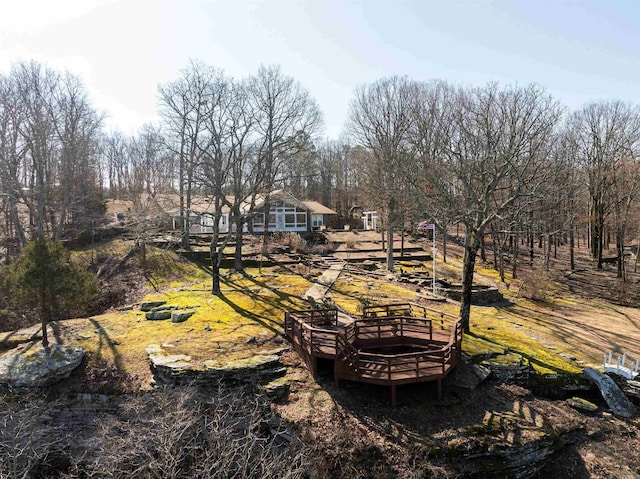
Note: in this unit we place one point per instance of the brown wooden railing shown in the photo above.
(438, 334)
(409, 309)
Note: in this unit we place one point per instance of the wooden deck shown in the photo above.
(371, 348)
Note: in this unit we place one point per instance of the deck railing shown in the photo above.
(409, 309)
(438, 332)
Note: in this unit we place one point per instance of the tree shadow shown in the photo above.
(463, 422)
(104, 341)
(245, 313)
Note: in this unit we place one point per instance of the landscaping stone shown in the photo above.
(181, 316)
(34, 366)
(159, 359)
(166, 307)
(619, 404)
(149, 305)
(582, 404)
(158, 315)
(178, 369)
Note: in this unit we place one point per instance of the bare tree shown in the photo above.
(493, 142)
(11, 156)
(380, 120)
(606, 135)
(284, 114)
(49, 157)
(183, 109)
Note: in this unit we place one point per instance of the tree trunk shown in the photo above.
(514, 268)
(472, 244)
(44, 318)
(444, 244)
(390, 245)
(572, 258)
(215, 275)
(620, 251)
(238, 265)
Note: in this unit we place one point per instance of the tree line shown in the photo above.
(509, 164)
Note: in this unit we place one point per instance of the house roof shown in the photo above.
(282, 196)
(319, 208)
(170, 203)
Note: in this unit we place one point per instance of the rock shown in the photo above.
(519, 461)
(149, 305)
(35, 366)
(251, 340)
(167, 307)
(270, 352)
(181, 316)
(470, 376)
(558, 386)
(615, 398)
(207, 328)
(582, 404)
(277, 390)
(632, 388)
(254, 363)
(157, 315)
(164, 365)
(178, 369)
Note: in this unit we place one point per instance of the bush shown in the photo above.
(534, 286)
(294, 241)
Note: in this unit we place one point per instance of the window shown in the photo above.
(301, 220)
(258, 220)
(316, 221)
(289, 220)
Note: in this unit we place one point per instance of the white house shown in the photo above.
(286, 213)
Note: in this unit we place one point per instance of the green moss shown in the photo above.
(251, 305)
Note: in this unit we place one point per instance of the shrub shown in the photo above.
(534, 286)
(294, 241)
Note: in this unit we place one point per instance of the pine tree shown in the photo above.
(45, 277)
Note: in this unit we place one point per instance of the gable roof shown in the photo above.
(319, 208)
(170, 203)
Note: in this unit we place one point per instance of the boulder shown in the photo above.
(615, 398)
(469, 376)
(181, 316)
(35, 366)
(149, 305)
(178, 369)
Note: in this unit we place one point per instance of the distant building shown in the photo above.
(286, 213)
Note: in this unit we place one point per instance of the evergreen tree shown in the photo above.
(44, 277)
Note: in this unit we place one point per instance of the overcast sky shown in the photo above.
(579, 50)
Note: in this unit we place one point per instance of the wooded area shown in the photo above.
(506, 163)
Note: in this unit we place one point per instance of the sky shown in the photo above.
(579, 50)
